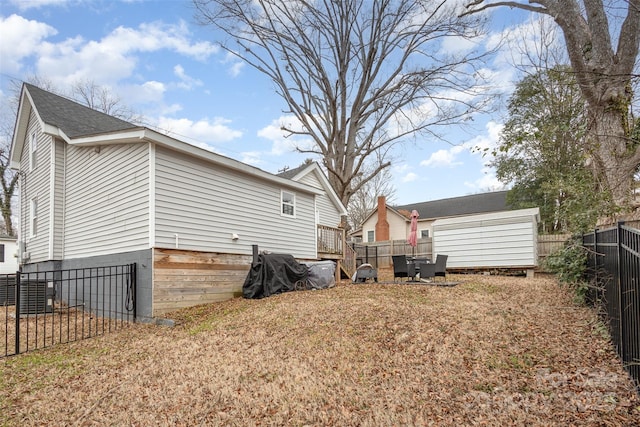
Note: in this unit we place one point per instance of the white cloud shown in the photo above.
(186, 82)
(442, 158)
(281, 143)
(235, 65)
(253, 158)
(485, 143)
(401, 168)
(236, 68)
(106, 61)
(410, 177)
(21, 38)
(202, 131)
(488, 182)
(458, 45)
(149, 92)
(34, 4)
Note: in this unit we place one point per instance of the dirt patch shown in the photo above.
(491, 350)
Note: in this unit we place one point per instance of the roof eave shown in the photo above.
(148, 135)
(20, 130)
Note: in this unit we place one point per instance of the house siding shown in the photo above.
(107, 200)
(58, 199)
(35, 184)
(398, 226)
(199, 205)
(329, 215)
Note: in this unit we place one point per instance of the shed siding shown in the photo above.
(493, 240)
(35, 184)
(107, 200)
(329, 214)
(200, 205)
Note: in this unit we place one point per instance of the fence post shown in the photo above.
(619, 281)
(134, 290)
(17, 341)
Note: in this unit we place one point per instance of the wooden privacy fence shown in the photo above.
(379, 253)
(549, 243)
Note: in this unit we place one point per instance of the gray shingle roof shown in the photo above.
(463, 205)
(290, 173)
(74, 119)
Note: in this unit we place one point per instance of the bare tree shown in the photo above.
(364, 201)
(8, 177)
(604, 73)
(359, 75)
(103, 99)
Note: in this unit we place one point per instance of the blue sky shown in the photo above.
(163, 65)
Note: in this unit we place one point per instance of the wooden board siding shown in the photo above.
(199, 206)
(106, 200)
(36, 184)
(187, 278)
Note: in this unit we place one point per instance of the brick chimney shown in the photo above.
(382, 226)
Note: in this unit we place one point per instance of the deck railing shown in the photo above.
(330, 240)
(332, 244)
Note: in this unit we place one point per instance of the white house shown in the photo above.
(97, 190)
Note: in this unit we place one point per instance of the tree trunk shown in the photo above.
(6, 215)
(614, 159)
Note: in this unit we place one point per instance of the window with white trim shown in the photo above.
(33, 145)
(371, 236)
(33, 218)
(424, 233)
(288, 202)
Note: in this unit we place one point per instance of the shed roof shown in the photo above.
(464, 205)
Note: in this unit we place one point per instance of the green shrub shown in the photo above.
(569, 264)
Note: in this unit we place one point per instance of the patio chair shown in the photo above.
(400, 267)
(441, 266)
(427, 271)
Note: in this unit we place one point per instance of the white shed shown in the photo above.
(8, 260)
(506, 239)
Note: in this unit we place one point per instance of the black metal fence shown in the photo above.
(614, 266)
(45, 308)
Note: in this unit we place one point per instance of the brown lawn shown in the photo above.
(491, 351)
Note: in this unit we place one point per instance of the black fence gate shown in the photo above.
(614, 265)
(45, 308)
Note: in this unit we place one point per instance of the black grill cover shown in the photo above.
(273, 274)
